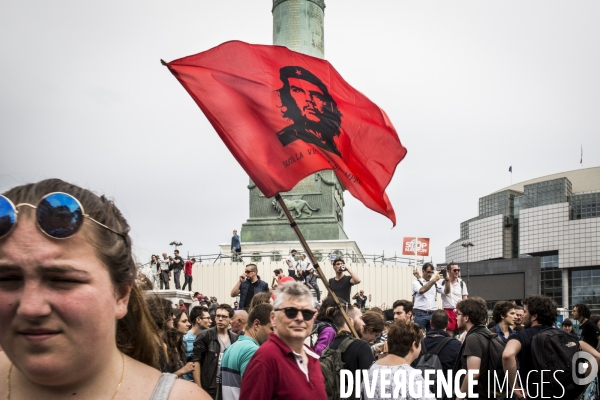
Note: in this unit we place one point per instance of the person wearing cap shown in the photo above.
(311, 282)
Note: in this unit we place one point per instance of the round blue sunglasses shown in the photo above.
(59, 215)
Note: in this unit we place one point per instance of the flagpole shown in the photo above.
(314, 262)
(416, 241)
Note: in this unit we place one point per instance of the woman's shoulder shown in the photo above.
(187, 390)
(145, 379)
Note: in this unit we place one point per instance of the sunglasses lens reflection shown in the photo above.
(8, 216)
(59, 215)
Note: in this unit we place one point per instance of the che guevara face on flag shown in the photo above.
(314, 114)
(285, 115)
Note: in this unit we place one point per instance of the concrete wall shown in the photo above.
(385, 283)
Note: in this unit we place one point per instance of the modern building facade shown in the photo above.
(555, 218)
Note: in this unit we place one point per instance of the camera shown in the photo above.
(443, 271)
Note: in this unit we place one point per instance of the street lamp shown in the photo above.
(175, 243)
(467, 245)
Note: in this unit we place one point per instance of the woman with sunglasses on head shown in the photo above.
(65, 255)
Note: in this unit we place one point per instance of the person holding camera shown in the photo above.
(424, 290)
(342, 284)
(360, 298)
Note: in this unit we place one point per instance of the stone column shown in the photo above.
(298, 25)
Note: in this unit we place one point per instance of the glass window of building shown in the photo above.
(551, 278)
(585, 288)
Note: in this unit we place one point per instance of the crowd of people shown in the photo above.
(159, 271)
(73, 321)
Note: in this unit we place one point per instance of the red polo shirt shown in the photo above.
(188, 268)
(273, 373)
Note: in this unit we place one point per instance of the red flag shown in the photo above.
(284, 115)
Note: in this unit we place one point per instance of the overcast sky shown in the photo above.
(472, 88)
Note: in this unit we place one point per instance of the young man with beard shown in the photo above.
(403, 309)
(358, 354)
(209, 348)
(236, 357)
(471, 316)
(519, 312)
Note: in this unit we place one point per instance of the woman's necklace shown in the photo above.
(112, 398)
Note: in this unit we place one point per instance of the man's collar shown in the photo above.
(285, 349)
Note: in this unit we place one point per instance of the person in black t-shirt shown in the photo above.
(341, 284)
(590, 333)
(177, 266)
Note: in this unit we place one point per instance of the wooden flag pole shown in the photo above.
(315, 263)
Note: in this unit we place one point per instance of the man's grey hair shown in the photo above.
(291, 289)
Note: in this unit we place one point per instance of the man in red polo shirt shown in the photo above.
(283, 367)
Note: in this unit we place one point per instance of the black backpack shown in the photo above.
(553, 349)
(331, 365)
(431, 361)
(493, 365)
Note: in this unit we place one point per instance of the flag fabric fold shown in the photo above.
(285, 115)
